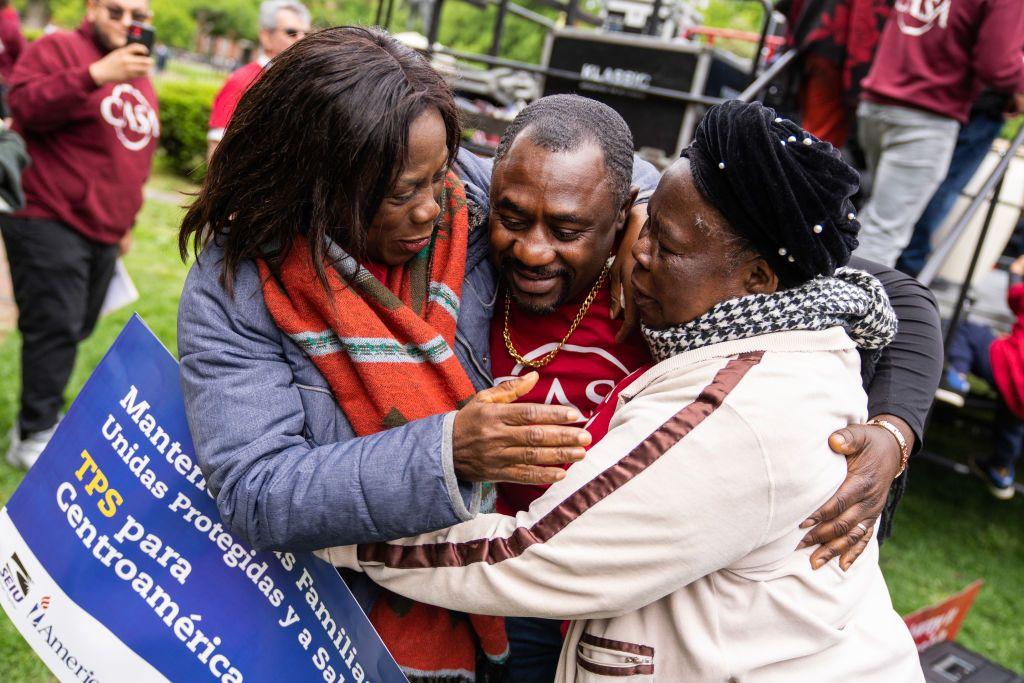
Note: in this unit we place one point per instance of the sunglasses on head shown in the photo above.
(117, 13)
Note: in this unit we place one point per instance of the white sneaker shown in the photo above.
(23, 453)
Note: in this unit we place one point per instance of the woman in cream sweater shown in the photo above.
(673, 546)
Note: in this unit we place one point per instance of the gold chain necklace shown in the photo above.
(550, 355)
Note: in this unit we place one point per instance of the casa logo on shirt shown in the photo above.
(584, 373)
(128, 111)
(917, 17)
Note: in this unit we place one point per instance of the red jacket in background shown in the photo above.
(1007, 356)
(937, 54)
(91, 147)
(12, 42)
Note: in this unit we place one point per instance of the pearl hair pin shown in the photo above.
(792, 138)
(817, 229)
(851, 216)
(808, 142)
(782, 251)
(721, 165)
(791, 259)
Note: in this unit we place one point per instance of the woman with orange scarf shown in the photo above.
(334, 327)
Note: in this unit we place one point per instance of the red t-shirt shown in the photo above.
(227, 99)
(583, 373)
(91, 146)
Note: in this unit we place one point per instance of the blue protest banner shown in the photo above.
(114, 565)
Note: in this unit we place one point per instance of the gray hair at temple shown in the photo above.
(270, 8)
(562, 123)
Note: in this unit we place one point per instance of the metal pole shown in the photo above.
(572, 13)
(499, 28)
(435, 25)
(768, 9)
(958, 310)
(652, 22)
(777, 67)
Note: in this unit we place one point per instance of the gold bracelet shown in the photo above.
(898, 435)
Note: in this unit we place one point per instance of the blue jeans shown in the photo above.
(972, 144)
(534, 648)
(969, 352)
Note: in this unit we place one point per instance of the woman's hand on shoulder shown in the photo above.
(844, 525)
(497, 440)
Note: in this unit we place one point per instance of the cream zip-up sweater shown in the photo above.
(672, 545)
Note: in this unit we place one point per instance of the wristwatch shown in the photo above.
(898, 435)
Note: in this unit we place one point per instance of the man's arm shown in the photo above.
(908, 371)
(900, 392)
(46, 93)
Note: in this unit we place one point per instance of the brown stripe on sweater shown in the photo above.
(620, 645)
(494, 550)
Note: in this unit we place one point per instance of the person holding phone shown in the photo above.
(282, 23)
(86, 108)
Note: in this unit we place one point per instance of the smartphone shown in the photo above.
(143, 34)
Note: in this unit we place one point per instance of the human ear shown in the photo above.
(760, 278)
(626, 210)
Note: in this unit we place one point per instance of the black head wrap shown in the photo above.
(781, 188)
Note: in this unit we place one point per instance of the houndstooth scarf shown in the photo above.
(851, 299)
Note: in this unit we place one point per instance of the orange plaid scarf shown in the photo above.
(386, 350)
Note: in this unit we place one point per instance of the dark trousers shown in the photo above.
(60, 279)
(969, 352)
(972, 145)
(534, 648)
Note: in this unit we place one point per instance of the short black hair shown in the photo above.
(562, 123)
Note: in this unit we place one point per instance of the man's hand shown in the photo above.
(125, 244)
(497, 440)
(1017, 267)
(873, 457)
(122, 64)
(622, 271)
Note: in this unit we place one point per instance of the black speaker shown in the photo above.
(949, 662)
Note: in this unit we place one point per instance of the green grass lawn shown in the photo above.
(948, 531)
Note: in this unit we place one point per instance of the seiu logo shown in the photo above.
(16, 578)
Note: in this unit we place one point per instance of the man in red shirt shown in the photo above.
(555, 226)
(932, 61)
(86, 108)
(282, 23)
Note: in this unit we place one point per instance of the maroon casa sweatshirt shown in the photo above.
(91, 147)
(937, 54)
